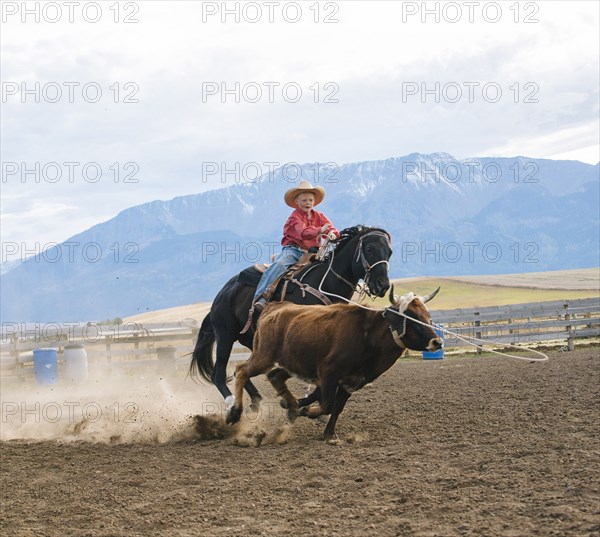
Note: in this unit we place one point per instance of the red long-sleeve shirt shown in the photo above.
(303, 230)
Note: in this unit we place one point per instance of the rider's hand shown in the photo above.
(325, 228)
(331, 236)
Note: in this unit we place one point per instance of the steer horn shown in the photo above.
(394, 299)
(428, 297)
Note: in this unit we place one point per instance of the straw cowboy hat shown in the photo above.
(303, 187)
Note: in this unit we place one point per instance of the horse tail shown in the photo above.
(202, 363)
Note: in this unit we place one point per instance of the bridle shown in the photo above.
(359, 255)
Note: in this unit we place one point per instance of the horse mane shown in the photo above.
(346, 235)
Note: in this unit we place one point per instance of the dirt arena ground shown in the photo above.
(463, 446)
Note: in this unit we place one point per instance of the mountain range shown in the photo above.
(446, 216)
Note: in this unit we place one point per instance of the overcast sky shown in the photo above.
(142, 101)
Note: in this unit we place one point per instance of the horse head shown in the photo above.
(371, 249)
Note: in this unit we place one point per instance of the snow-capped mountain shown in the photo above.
(446, 217)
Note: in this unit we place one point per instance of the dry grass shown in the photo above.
(457, 292)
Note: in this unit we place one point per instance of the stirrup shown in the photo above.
(249, 321)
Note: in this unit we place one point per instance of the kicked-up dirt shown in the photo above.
(463, 446)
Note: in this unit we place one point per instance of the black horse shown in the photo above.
(359, 253)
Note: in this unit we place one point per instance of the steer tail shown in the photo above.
(202, 363)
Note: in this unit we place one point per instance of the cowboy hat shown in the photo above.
(303, 187)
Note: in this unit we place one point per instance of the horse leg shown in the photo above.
(338, 405)
(243, 372)
(254, 394)
(219, 375)
(250, 388)
(278, 378)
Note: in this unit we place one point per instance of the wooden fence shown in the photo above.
(125, 346)
(134, 345)
(518, 324)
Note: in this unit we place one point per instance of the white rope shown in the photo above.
(543, 358)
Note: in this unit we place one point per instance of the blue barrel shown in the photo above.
(45, 366)
(75, 363)
(437, 355)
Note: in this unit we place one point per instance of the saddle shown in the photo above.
(251, 276)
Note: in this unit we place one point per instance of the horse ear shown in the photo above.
(430, 296)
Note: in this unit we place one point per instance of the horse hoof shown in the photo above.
(292, 414)
(233, 416)
(283, 404)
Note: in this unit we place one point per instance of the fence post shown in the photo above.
(568, 328)
(15, 352)
(107, 345)
(14, 341)
(478, 334)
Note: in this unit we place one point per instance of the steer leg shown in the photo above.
(315, 395)
(255, 365)
(327, 390)
(310, 398)
(278, 378)
(340, 401)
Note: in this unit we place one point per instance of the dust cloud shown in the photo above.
(124, 408)
(112, 408)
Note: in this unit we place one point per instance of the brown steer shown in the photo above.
(340, 348)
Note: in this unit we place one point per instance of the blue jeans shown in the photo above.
(288, 256)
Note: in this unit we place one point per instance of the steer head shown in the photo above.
(402, 316)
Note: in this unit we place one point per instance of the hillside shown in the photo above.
(457, 292)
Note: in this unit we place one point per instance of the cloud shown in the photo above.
(370, 58)
(573, 143)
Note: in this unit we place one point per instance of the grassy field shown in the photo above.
(459, 292)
